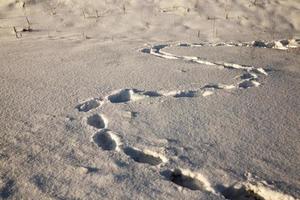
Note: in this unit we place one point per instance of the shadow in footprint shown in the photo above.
(248, 84)
(88, 105)
(249, 76)
(42, 182)
(134, 114)
(127, 95)
(142, 157)
(189, 93)
(160, 46)
(180, 179)
(8, 189)
(120, 97)
(219, 86)
(146, 50)
(96, 121)
(106, 140)
(238, 193)
(152, 94)
(90, 169)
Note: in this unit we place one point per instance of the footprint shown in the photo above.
(219, 86)
(107, 140)
(251, 191)
(239, 193)
(97, 121)
(8, 189)
(146, 156)
(281, 45)
(152, 94)
(87, 170)
(248, 84)
(235, 66)
(189, 93)
(259, 44)
(126, 95)
(146, 50)
(121, 96)
(134, 114)
(89, 105)
(188, 179)
(249, 76)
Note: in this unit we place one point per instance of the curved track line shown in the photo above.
(110, 141)
(248, 79)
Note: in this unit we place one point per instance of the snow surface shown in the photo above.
(156, 99)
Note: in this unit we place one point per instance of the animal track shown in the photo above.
(281, 44)
(240, 193)
(125, 95)
(89, 105)
(87, 169)
(8, 189)
(249, 76)
(97, 121)
(188, 179)
(121, 96)
(219, 86)
(146, 156)
(189, 93)
(157, 51)
(251, 191)
(152, 94)
(107, 140)
(252, 72)
(248, 84)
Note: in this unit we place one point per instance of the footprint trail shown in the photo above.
(108, 140)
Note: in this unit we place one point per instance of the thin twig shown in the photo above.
(17, 34)
(83, 14)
